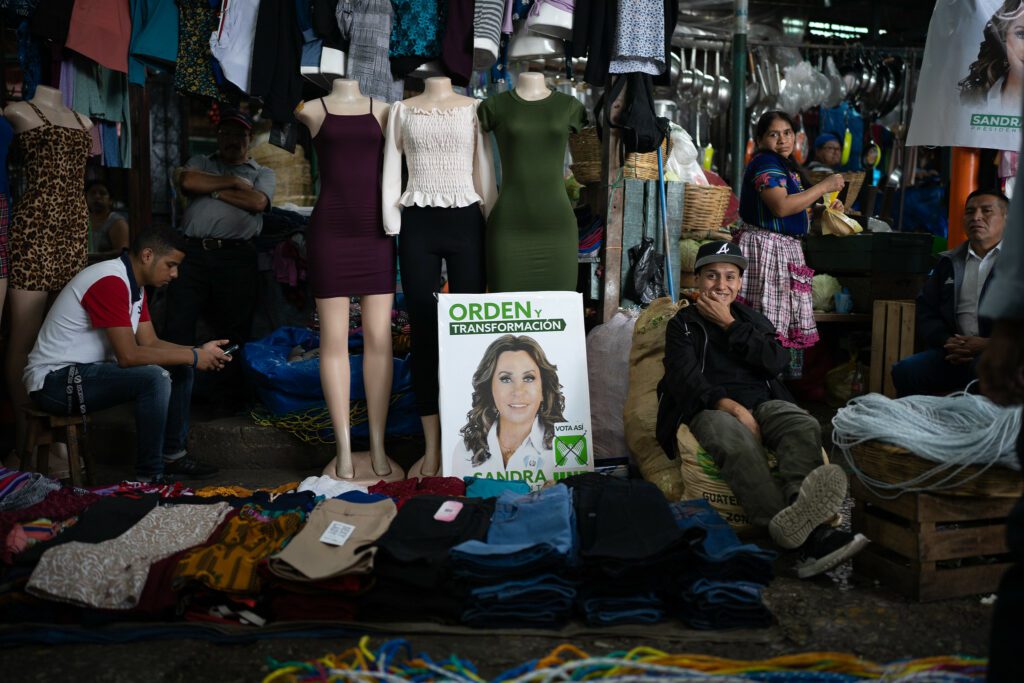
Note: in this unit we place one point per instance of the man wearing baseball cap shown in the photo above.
(722, 365)
(228, 193)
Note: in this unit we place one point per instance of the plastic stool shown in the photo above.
(44, 430)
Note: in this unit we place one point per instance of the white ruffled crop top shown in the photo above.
(449, 160)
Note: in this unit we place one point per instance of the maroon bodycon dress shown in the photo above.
(348, 252)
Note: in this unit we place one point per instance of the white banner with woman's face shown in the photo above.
(515, 399)
(970, 88)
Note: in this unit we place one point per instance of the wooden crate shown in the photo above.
(892, 338)
(932, 547)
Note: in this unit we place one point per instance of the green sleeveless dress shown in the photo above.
(532, 239)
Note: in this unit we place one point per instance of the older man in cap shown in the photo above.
(228, 193)
(722, 366)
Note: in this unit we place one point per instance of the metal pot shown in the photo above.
(667, 108)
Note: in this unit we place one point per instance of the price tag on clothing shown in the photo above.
(337, 533)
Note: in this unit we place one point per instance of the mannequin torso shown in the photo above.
(532, 87)
(438, 94)
(48, 100)
(345, 99)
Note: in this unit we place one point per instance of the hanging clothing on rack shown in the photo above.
(593, 33)
(640, 38)
(232, 43)
(101, 30)
(416, 33)
(154, 40)
(366, 26)
(276, 58)
(457, 41)
(193, 74)
(102, 94)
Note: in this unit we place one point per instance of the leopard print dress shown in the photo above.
(50, 226)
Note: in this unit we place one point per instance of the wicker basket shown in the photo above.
(645, 166)
(585, 149)
(704, 206)
(889, 463)
(854, 180)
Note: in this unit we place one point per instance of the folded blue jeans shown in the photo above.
(642, 608)
(526, 532)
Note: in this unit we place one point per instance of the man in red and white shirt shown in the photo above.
(97, 349)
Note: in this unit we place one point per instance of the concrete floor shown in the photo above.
(832, 613)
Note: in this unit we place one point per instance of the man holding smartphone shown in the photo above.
(97, 349)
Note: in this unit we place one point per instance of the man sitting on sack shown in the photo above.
(947, 308)
(722, 366)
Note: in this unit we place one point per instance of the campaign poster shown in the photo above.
(515, 399)
(970, 90)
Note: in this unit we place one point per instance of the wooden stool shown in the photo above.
(44, 430)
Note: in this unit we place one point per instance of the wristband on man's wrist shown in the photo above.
(195, 358)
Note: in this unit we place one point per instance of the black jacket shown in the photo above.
(936, 304)
(689, 386)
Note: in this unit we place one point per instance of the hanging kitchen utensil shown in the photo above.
(722, 81)
(847, 139)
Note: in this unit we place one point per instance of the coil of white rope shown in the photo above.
(955, 432)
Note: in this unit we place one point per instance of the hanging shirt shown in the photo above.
(231, 44)
(101, 30)
(976, 272)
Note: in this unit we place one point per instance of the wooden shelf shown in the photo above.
(842, 318)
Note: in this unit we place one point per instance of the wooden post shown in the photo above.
(140, 182)
(611, 166)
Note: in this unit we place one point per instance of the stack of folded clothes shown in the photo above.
(414, 579)
(631, 547)
(722, 589)
(516, 576)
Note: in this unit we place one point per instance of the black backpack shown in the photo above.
(642, 130)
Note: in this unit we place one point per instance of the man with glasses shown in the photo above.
(228, 193)
(947, 308)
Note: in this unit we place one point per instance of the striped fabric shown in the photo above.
(778, 284)
(487, 18)
(366, 26)
(12, 480)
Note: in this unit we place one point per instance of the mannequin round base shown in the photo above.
(416, 471)
(364, 474)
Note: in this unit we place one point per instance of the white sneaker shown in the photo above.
(821, 497)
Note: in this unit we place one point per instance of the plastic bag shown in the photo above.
(608, 347)
(845, 381)
(648, 268)
(836, 222)
(683, 161)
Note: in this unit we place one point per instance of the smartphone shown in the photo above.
(228, 350)
(448, 511)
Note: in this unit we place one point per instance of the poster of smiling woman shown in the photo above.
(515, 401)
(971, 85)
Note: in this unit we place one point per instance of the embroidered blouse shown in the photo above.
(764, 171)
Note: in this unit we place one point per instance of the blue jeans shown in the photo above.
(162, 397)
(929, 373)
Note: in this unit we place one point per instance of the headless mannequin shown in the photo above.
(28, 308)
(363, 468)
(531, 86)
(437, 94)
